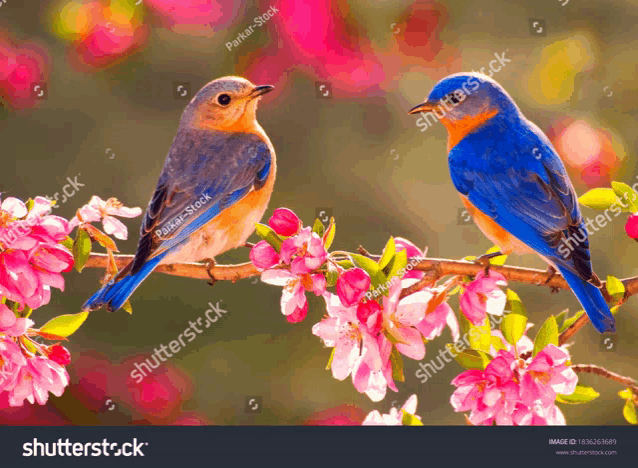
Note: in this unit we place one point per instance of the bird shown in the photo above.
(513, 183)
(215, 185)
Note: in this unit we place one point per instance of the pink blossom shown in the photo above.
(411, 250)
(352, 286)
(36, 379)
(395, 417)
(400, 319)
(98, 209)
(285, 222)
(293, 297)
(351, 339)
(31, 259)
(483, 296)
(263, 255)
(58, 353)
(489, 395)
(516, 391)
(369, 379)
(547, 375)
(11, 361)
(11, 325)
(369, 313)
(304, 252)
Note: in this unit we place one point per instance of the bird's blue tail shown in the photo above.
(114, 294)
(592, 301)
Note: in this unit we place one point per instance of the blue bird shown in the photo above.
(215, 185)
(513, 183)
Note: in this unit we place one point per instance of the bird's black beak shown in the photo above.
(261, 90)
(425, 106)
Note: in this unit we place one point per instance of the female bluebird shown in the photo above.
(215, 185)
(513, 183)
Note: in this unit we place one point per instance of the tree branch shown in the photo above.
(602, 372)
(437, 267)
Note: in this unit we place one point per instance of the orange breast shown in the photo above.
(505, 241)
(459, 128)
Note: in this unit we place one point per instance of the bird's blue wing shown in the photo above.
(216, 168)
(518, 180)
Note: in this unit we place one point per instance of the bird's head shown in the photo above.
(467, 100)
(227, 104)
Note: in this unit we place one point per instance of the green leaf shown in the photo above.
(318, 227)
(127, 307)
(498, 344)
(347, 264)
(479, 336)
(371, 268)
(629, 412)
(548, 334)
(269, 235)
(81, 249)
(500, 260)
(626, 394)
(398, 264)
(471, 358)
(329, 236)
(582, 394)
(626, 195)
(615, 288)
(569, 321)
(332, 356)
(397, 365)
(599, 198)
(515, 304)
(29, 204)
(388, 253)
(409, 419)
(29, 345)
(64, 325)
(513, 327)
(67, 242)
(560, 318)
(332, 275)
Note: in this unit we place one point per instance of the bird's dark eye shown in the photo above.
(223, 99)
(453, 99)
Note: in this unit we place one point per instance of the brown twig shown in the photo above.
(437, 267)
(572, 329)
(602, 372)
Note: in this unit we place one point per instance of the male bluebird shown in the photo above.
(215, 185)
(513, 183)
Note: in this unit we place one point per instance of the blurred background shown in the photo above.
(93, 90)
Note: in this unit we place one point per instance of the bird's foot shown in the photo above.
(551, 271)
(210, 265)
(484, 260)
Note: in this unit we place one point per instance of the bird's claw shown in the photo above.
(209, 267)
(551, 271)
(484, 260)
